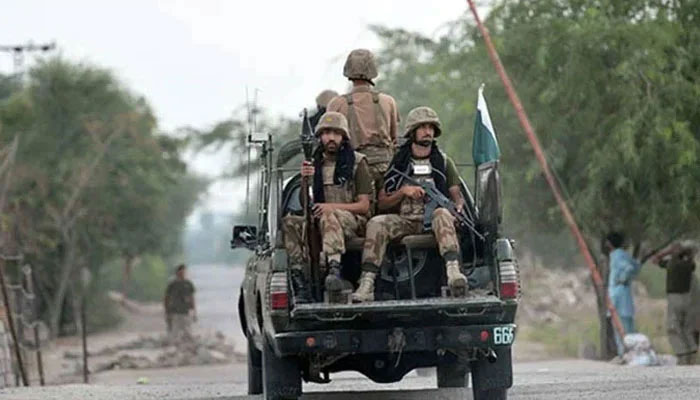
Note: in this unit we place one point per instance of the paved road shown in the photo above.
(567, 379)
(217, 291)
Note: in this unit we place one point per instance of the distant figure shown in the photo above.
(678, 260)
(178, 302)
(322, 101)
(623, 269)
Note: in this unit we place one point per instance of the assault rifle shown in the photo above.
(313, 240)
(439, 200)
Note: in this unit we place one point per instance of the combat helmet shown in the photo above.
(422, 115)
(325, 97)
(360, 65)
(333, 120)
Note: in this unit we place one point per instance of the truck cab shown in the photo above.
(414, 321)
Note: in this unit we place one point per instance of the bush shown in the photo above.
(149, 278)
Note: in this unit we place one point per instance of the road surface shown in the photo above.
(217, 291)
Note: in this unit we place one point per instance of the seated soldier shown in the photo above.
(342, 186)
(421, 159)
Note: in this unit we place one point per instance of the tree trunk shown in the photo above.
(606, 331)
(66, 273)
(128, 265)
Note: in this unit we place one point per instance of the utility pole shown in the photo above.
(19, 51)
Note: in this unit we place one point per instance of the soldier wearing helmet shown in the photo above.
(342, 186)
(373, 117)
(322, 101)
(420, 158)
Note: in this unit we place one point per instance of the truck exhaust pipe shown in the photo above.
(491, 356)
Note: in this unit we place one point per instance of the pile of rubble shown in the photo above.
(549, 293)
(159, 352)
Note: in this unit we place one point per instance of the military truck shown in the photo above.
(414, 322)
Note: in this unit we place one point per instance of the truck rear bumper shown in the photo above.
(388, 340)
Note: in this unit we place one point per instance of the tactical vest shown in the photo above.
(345, 193)
(421, 171)
(378, 150)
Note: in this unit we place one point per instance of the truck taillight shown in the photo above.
(509, 287)
(509, 290)
(279, 299)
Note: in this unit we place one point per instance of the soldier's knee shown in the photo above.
(443, 214)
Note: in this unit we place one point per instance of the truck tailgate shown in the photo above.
(480, 309)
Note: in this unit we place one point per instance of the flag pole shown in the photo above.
(539, 154)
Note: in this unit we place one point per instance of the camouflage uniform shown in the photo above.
(179, 296)
(679, 315)
(384, 228)
(338, 225)
(373, 117)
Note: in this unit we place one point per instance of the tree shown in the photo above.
(611, 89)
(93, 179)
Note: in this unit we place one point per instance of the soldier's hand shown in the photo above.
(307, 168)
(413, 192)
(322, 208)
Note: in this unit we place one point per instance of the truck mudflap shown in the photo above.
(409, 339)
(495, 372)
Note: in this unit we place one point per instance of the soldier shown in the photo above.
(342, 186)
(373, 116)
(322, 101)
(420, 158)
(179, 305)
(680, 267)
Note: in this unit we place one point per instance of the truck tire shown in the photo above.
(452, 375)
(490, 394)
(281, 375)
(255, 374)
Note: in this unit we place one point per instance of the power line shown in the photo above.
(19, 51)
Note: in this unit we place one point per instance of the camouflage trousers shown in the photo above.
(384, 228)
(335, 227)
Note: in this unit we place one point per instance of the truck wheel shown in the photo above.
(452, 375)
(281, 375)
(491, 394)
(255, 374)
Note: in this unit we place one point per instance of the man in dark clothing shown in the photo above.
(678, 261)
(178, 302)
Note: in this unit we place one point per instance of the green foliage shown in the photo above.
(149, 279)
(564, 339)
(93, 181)
(611, 90)
(654, 279)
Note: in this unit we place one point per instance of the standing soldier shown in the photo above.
(421, 159)
(179, 305)
(680, 267)
(342, 186)
(322, 101)
(373, 117)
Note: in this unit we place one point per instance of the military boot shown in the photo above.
(365, 292)
(302, 294)
(334, 283)
(456, 279)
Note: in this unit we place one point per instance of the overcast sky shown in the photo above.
(193, 59)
